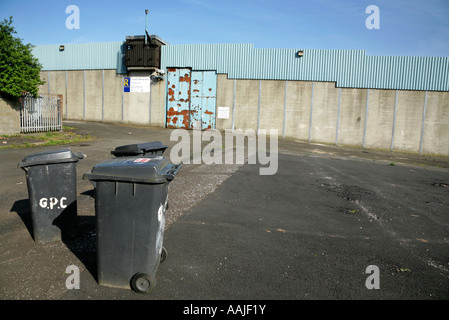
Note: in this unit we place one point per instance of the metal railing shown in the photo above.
(43, 113)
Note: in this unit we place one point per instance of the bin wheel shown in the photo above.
(163, 255)
(143, 283)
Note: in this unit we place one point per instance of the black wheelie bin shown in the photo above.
(130, 199)
(147, 149)
(51, 183)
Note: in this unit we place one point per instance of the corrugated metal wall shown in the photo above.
(348, 68)
(82, 56)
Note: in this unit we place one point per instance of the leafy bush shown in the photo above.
(19, 69)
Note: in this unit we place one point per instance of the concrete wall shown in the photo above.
(225, 98)
(324, 112)
(379, 124)
(297, 109)
(9, 116)
(396, 120)
(272, 94)
(112, 96)
(351, 116)
(246, 104)
(97, 95)
(436, 124)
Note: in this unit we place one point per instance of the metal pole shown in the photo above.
(146, 25)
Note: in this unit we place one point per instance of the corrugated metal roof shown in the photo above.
(348, 68)
(82, 56)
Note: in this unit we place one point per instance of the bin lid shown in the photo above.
(134, 169)
(51, 157)
(140, 149)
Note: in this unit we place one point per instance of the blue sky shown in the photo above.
(407, 27)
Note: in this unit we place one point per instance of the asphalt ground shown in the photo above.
(309, 232)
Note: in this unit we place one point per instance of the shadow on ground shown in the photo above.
(82, 244)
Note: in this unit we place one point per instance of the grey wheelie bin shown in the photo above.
(130, 198)
(51, 182)
(147, 149)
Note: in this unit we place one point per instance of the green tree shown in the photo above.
(19, 70)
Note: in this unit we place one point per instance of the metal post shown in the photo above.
(394, 121)
(146, 25)
(422, 124)
(366, 119)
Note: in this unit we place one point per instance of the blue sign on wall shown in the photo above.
(126, 84)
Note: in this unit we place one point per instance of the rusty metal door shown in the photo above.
(191, 98)
(203, 100)
(178, 98)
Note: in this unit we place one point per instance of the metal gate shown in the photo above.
(191, 99)
(43, 113)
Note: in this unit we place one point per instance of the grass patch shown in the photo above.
(50, 138)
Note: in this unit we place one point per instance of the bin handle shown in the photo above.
(23, 167)
(80, 155)
(170, 175)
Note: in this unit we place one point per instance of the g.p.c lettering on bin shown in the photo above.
(52, 202)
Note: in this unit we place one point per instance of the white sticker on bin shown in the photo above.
(142, 160)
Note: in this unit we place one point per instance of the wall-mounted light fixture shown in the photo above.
(300, 53)
(61, 48)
